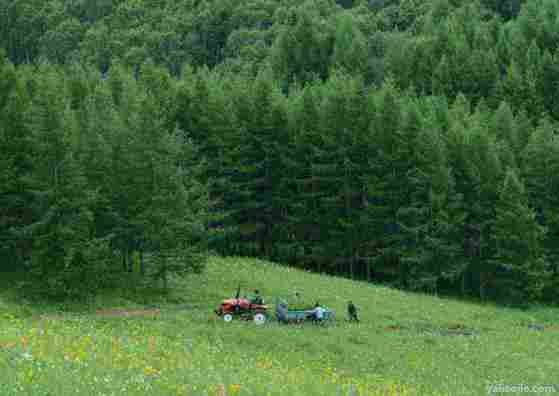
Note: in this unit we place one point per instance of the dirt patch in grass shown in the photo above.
(427, 328)
(110, 312)
(543, 327)
(118, 312)
(552, 328)
(127, 312)
(395, 327)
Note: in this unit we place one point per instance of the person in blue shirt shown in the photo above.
(281, 311)
(318, 313)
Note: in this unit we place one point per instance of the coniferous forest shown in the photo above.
(404, 141)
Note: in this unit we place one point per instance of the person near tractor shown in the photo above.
(281, 311)
(299, 302)
(298, 299)
(256, 298)
(318, 313)
(352, 312)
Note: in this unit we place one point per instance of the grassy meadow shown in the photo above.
(406, 344)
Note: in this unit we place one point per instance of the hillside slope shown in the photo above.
(406, 344)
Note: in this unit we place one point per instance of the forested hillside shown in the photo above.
(410, 141)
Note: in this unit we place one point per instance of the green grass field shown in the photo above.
(407, 344)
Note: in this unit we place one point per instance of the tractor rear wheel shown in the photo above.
(259, 318)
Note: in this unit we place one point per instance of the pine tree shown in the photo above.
(126, 179)
(485, 172)
(504, 126)
(540, 168)
(550, 84)
(302, 49)
(477, 171)
(442, 78)
(204, 113)
(518, 239)
(304, 216)
(168, 204)
(432, 221)
(350, 48)
(533, 79)
(389, 165)
(16, 167)
(484, 74)
(97, 123)
(512, 87)
(256, 207)
(344, 117)
(61, 233)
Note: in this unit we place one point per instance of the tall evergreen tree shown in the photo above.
(340, 172)
(257, 162)
(485, 173)
(167, 202)
(16, 168)
(432, 220)
(61, 233)
(518, 239)
(350, 48)
(302, 50)
(390, 165)
(304, 209)
(550, 84)
(540, 167)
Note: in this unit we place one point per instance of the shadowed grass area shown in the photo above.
(406, 344)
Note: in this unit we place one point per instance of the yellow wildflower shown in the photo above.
(150, 370)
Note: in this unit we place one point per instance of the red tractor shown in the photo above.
(244, 309)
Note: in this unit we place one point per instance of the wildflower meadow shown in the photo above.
(405, 344)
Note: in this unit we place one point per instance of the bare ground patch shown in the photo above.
(127, 312)
(109, 312)
(431, 329)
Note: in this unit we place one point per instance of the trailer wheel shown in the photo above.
(227, 317)
(259, 318)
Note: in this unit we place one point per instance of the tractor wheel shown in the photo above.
(259, 318)
(228, 317)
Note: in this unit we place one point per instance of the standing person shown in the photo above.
(237, 307)
(298, 301)
(318, 313)
(256, 299)
(352, 312)
(281, 311)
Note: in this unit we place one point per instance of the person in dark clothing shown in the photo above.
(352, 312)
(256, 299)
